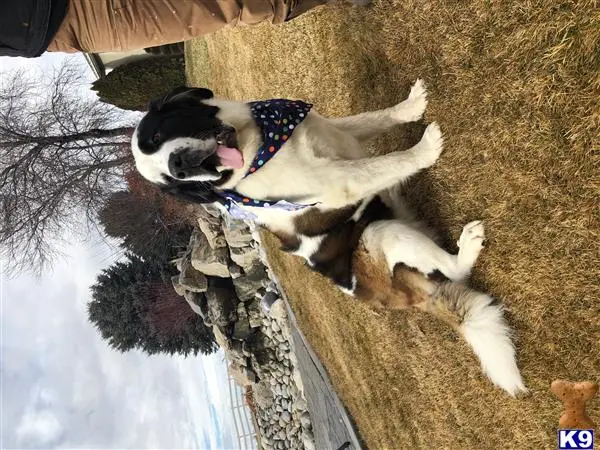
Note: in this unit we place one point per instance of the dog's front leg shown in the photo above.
(367, 125)
(365, 177)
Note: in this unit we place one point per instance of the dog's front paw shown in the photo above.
(413, 108)
(431, 145)
(470, 243)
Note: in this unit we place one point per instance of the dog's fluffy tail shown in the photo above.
(480, 320)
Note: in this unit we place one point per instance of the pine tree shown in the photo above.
(133, 306)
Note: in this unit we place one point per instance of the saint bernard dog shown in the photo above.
(309, 180)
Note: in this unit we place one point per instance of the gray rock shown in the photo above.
(247, 352)
(237, 234)
(273, 382)
(308, 443)
(235, 354)
(220, 338)
(177, 286)
(275, 326)
(263, 395)
(221, 301)
(244, 376)
(198, 303)
(268, 334)
(235, 271)
(278, 311)
(190, 279)
(178, 263)
(210, 261)
(269, 300)
(285, 417)
(278, 408)
(211, 228)
(241, 329)
(248, 284)
(254, 313)
(305, 420)
(300, 404)
(244, 257)
(209, 209)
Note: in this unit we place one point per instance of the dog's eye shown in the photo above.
(157, 137)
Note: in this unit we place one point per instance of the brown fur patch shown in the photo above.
(314, 222)
(378, 288)
(333, 259)
(289, 242)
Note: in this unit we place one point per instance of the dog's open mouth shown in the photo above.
(229, 155)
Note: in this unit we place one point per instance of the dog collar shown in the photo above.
(277, 119)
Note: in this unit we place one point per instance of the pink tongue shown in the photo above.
(230, 157)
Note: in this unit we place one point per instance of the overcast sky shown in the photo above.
(62, 387)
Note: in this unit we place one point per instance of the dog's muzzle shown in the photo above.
(187, 163)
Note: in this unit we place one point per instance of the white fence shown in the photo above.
(242, 418)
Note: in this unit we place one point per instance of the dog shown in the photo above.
(383, 256)
(270, 161)
(308, 179)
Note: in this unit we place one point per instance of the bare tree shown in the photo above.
(61, 153)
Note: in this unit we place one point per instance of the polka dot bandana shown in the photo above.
(277, 118)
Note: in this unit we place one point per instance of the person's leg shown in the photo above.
(298, 7)
(121, 25)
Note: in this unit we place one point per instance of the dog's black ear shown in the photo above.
(180, 93)
(192, 192)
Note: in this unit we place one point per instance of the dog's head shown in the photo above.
(182, 145)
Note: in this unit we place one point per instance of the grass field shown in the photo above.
(515, 87)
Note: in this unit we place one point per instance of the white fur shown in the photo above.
(487, 332)
(401, 242)
(309, 245)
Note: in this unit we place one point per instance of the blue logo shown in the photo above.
(575, 439)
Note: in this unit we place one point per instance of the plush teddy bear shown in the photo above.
(574, 397)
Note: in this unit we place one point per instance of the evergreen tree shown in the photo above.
(133, 307)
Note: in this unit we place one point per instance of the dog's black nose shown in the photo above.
(177, 166)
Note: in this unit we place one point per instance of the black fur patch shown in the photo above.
(334, 257)
(438, 276)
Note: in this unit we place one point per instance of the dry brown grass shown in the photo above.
(516, 89)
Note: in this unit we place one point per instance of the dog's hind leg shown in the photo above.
(353, 181)
(400, 243)
(369, 124)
